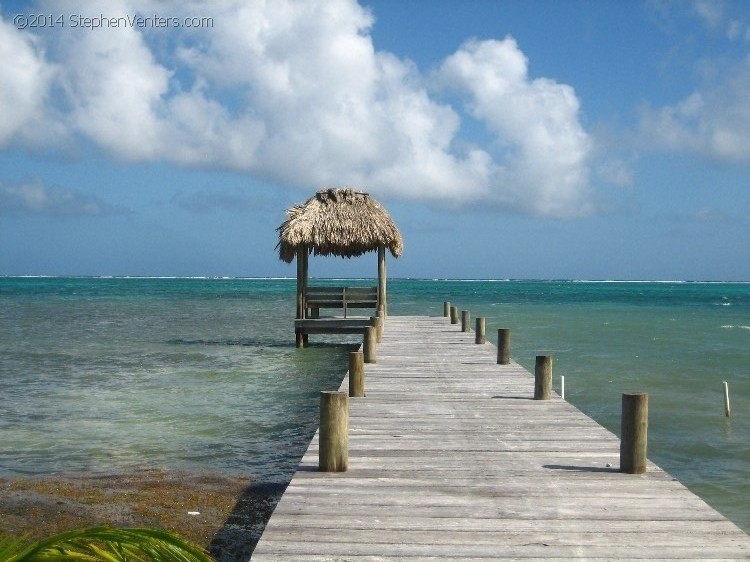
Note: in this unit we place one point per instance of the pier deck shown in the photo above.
(450, 459)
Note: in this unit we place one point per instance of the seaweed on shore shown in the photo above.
(225, 514)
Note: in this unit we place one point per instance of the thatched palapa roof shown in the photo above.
(338, 222)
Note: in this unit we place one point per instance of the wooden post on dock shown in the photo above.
(446, 308)
(377, 323)
(543, 377)
(634, 429)
(369, 344)
(333, 452)
(503, 346)
(381, 324)
(381, 310)
(454, 315)
(480, 337)
(356, 374)
(465, 320)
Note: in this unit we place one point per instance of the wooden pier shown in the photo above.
(450, 458)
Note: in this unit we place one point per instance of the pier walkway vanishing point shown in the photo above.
(451, 459)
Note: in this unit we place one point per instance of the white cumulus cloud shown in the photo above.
(545, 166)
(296, 93)
(25, 78)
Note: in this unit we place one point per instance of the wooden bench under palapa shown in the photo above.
(340, 298)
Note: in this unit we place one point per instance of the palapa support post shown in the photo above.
(379, 335)
(634, 429)
(465, 320)
(368, 345)
(356, 374)
(333, 446)
(298, 335)
(454, 315)
(479, 331)
(446, 309)
(382, 289)
(543, 377)
(503, 346)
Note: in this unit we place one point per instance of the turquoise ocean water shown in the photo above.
(102, 374)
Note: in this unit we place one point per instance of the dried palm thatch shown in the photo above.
(338, 222)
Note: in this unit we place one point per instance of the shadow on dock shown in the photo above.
(574, 468)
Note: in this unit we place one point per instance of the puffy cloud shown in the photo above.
(713, 121)
(536, 123)
(24, 80)
(114, 87)
(34, 198)
(296, 93)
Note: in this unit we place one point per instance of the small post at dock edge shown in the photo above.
(503, 346)
(454, 315)
(479, 330)
(369, 344)
(446, 308)
(375, 322)
(356, 374)
(381, 322)
(465, 320)
(543, 377)
(634, 429)
(333, 447)
(381, 310)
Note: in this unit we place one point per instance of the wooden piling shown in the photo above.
(356, 374)
(381, 323)
(479, 331)
(454, 315)
(333, 452)
(503, 346)
(727, 409)
(465, 320)
(634, 429)
(369, 344)
(376, 322)
(446, 308)
(562, 387)
(381, 310)
(543, 377)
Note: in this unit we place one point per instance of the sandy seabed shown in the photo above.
(225, 514)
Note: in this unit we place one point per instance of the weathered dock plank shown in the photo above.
(450, 458)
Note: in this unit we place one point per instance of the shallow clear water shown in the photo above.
(113, 373)
(103, 374)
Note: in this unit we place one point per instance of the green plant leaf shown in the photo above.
(104, 544)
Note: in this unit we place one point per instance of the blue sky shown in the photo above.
(534, 139)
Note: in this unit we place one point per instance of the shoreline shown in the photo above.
(231, 511)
